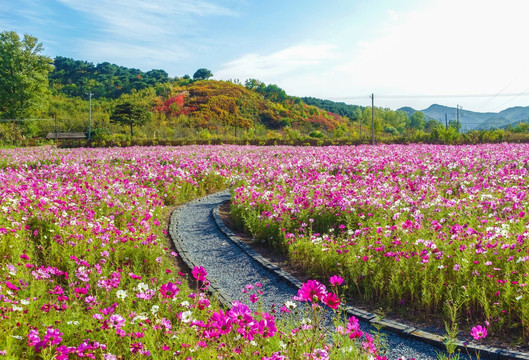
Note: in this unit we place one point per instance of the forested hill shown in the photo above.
(351, 111)
(196, 103)
(76, 78)
(212, 104)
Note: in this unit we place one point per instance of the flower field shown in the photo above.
(416, 226)
(86, 269)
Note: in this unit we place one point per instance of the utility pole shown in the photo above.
(89, 115)
(458, 123)
(446, 121)
(372, 119)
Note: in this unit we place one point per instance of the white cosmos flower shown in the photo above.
(186, 316)
(121, 294)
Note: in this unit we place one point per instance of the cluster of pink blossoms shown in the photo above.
(51, 337)
(240, 319)
(314, 291)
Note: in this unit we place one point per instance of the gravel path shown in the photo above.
(229, 268)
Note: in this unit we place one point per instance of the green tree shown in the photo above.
(431, 125)
(202, 74)
(521, 128)
(23, 75)
(274, 93)
(252, 84)
(417, 121)
(454, 124)
(131, 114)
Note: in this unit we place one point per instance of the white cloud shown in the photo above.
(443, 47)
(143, 33)
(145, 20)
(32, 11)
(274, 67)
(452, 47)
(132, 55)
(467, 46)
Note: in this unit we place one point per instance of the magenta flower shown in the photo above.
(221, 322)
(321, 354)
(52, 336)
(240, 312)
(203, 304)
(33, 337)
(136, 347)
(353, 328)
(11, 286)
(479, 332)
(267, 328)
(199, 273)
(336, 280)
(169, 290)
(312, 290)
(116, 321)
(248, 329)
(331, 300)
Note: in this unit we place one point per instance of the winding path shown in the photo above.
(231, 265)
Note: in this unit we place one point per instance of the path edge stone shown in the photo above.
(486, 352)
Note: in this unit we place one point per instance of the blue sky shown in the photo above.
(344, 50)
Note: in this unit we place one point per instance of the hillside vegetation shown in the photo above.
(39, 95)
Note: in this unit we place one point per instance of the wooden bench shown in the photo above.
(67, 138)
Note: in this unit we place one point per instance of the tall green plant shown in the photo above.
(23, 75)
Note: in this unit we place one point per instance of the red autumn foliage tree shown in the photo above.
(174, 106)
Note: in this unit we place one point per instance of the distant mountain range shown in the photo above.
(471, 120)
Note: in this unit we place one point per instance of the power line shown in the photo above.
(525, 93)
(515, 96)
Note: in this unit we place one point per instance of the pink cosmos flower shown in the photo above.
(116, 321)
(248, 329)
(33, 337)
(136, 347)
(169, 290)
(312, 290)
(276, 356)
(134, 276)
(353, 328)
(166, 323)
(239, 311)
(147, 295)
(331, 300)
(203, 304)
(52, 336)
(369, 344)
(321, 354)
(11, 286)
(479, 332)
(199, 273)
(221, 322)
(267, 328)
(336, 280)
